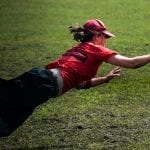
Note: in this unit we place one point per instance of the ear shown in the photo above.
(97, 36)
(94, 38)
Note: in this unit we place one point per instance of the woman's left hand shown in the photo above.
(116, 72)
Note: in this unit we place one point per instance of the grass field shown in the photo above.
(115, 116)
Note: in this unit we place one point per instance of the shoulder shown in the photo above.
(96, 47)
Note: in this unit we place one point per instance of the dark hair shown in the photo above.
(79, 34)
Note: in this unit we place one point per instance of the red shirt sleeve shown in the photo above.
(105, 53)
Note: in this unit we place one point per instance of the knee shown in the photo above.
(5, 133)
(4, 129)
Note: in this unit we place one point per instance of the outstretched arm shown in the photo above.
(100, 80)
(126, 62)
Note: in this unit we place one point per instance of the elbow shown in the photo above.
(132, 64)
(135, 65)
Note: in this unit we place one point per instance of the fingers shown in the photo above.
(115, 73)
(117, 70)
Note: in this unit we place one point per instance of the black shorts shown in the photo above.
(20, 96)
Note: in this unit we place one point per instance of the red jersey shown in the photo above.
(80, 63)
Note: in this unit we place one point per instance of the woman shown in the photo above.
(76, 68)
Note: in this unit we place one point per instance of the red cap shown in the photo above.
(98, 26)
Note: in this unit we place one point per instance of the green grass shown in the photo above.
(114, 116)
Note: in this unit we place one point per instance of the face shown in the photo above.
(100, 39)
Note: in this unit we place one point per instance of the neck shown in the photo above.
(95, 43)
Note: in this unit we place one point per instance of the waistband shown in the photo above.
(57, 72)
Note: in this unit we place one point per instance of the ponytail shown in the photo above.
(79, 34)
